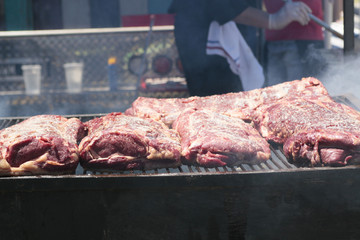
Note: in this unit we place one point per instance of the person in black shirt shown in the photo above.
(210, 74)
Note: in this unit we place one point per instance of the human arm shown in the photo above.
(253, 17)
(291, 11)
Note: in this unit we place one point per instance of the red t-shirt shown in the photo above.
(295, 31)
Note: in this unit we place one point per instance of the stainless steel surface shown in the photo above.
(33, 33)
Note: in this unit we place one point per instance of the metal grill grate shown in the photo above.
(277, 162)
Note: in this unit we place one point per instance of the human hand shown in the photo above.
(291, 11)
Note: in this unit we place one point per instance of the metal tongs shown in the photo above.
(322, 23)
(326, 26)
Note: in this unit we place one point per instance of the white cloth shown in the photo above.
(227, 41)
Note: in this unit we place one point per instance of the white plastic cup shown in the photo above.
(73, 75)
(32, 78)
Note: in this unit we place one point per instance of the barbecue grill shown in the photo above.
(271, 200)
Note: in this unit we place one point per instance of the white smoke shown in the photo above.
(342, 76)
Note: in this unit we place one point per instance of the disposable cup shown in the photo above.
(73, 75)
(32, 78)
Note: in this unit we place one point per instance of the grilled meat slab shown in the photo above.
(211, 139)
(240, 104)
(43, 144)
(120, 142)
(315, 131)
(266, 108)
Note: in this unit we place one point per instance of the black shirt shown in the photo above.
(192, 22)
(194, 16)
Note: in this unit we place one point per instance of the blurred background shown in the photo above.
(126, 48)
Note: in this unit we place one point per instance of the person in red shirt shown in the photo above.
(291, 52)
(210, 74)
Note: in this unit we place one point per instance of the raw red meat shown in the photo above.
(43, 144)
(212, 140)
(240, 104)
(165, 109)
(299, 112)
(168, 109)
(120, 142)
(306, 87)
(315, 131)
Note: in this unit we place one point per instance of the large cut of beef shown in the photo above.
(240, 104)
(43, 144)
(160, 109)
(211, 139)
(119, 142)
(315, 131)
(255, 106)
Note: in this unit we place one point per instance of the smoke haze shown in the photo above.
(342, 76)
